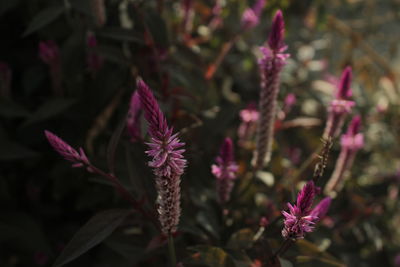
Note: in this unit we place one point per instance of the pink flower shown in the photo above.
(270, 65)
(251, 16)
(78, 159)
(340, 106)
(133, 120)
(225, 170)
(301, 218)
(248, 126)
(94, 60)
(167, 161)
(351, 142)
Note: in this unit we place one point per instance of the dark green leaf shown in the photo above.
(44, 18)
(10, 109)
(91, 234)
(49, 110)
(242, 239)
(6, 5)
(13, 151)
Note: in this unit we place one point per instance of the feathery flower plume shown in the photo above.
(299, 220)
(99, 12)
(49, 53)
(274, 59)
(167, 160)
(248, 126)
(133, 121)
(78, 159)
(340, 106)
(5, 80)
(225, 170)
(351, 142)
(94, 60)
(251, 16)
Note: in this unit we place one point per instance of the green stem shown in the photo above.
(171, 249)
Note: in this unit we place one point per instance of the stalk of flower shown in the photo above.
(133, 120)
(94, 60)
(5, 80)
(99, 12)
(248, 126)
(340, 106)
(351, 142)
(49, 53)
(270, 68)
(79, 159)
(187, 15)
(225, 171)
(249, 20)
(167, 160)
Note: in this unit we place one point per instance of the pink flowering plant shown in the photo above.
(199, 133)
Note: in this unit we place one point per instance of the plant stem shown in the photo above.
(171, 250)
(284, 247)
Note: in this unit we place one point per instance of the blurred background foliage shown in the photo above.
(44, 201)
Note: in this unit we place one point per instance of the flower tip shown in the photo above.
(275, 40)
(345, 84)
(355, 125)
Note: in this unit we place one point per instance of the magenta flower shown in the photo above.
(351, 142)
(340, 106)
(320, 210)
(133, 120)
(78, 159)
(5, 80)
(248, 126)
(299, 220)
(49, 53)
(289, 102)
(99, 12)
(167, 160)
(251, 16)
(270, 66)
(225, 170)
(94, 60)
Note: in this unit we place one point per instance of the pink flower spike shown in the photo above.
(133, 121)
(299, 220)
(305, 197)
(49, 52)
(78, 159)
(225, 170)
(344, 88)
(275, 39)
(320, 210)
(167, 161)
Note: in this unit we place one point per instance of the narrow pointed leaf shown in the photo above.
(91, 234)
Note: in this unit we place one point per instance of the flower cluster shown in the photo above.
(301, 218)
(351, 142)
(251, 16)
(225, 170)
(167, 160)
(340, 106)
(248, 126)
(133, 120)
(49, 53)
(271, 64)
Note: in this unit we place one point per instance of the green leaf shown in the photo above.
(43, 18)
(10, 110)
(210, 256)
(6, 5)
(242, 239)
(49, 109)
(91, 234)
